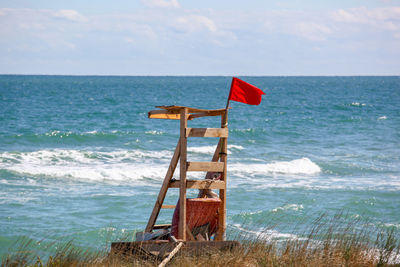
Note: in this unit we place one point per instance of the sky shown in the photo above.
(178, 37)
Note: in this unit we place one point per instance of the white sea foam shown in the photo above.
(117, 166)
(80, 156)
(294, 207)
(235, 147)
(149, 167)
(297, 166)
(266, 234)
(382, 118)
(395, 225)
(91, 132)
(154, 132)
(127, 165)
(358, 104)
(113, 173)
(210, 149)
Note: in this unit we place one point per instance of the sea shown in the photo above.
(81, 162)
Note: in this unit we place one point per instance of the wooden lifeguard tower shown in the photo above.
(218, 164)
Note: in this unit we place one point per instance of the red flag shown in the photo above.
(245, 92)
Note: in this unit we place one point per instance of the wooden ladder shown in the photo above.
(217, 164)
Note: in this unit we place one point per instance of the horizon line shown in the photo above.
(195, 75)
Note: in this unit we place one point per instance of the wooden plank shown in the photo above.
(190, 110)
(161, 226)
(168, 206)
(206, 114)
(205, 166)
(207, 132)
(183, 169)
(216, 155)
(222, 192)
(190, 247)
(173, 112)
(164, 114)
(189, 234)
(179, 108)
(164, 188)
(199, 184)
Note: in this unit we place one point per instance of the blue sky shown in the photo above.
(176, 37)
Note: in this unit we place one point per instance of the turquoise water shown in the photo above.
(80, 160)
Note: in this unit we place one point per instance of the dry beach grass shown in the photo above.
(327, 243)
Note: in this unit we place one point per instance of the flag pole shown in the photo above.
(227, 104)
(225, 118)
(229, 96)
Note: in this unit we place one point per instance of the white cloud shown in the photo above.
(175, 36)
(381, 18)
(192, 23)
(347, 16)
(312, 31)
(161, 3)
(3, 12)
(69, 14)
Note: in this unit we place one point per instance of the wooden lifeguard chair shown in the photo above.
(217, 164)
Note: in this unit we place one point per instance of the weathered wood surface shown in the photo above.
(161, 226)
(205, 166)
(146, 248)
(222, 192)
(165, 114)
(189, 109)
(209, 113)
(182, 175)
(189, 234)
(207, 132)
(173, 112)
(164, 188)
(168, 206)
(199, 184)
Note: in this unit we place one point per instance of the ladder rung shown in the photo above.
(168, 206)
(200, 184)
(205, 166)
(207, 132)
(161, 226)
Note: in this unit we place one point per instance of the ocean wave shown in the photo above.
(210, 149)
(313, 182)
(71, 135)
(127, 165)
(121, 165)
(265, 234)
(55, 156)
(297, 166)
(62, 134)
(101, 173)
(149, 168)
(293, 207)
